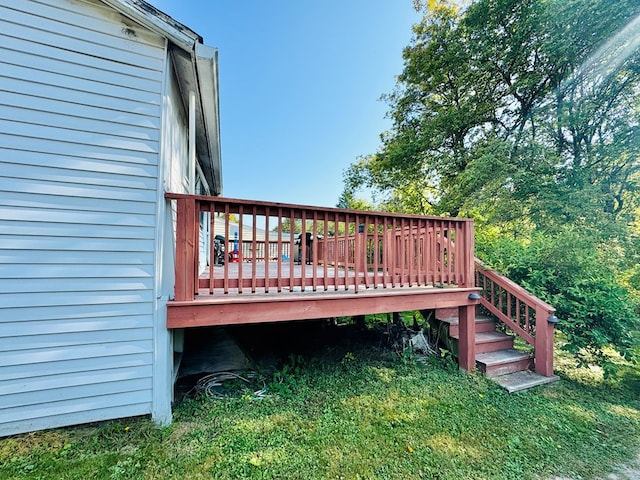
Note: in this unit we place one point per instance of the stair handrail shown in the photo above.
(529, 317)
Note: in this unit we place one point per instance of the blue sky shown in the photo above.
(300, 83)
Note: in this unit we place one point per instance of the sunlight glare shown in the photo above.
(610, 56)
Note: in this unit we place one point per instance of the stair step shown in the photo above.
(518, 381)
(491, 341)
(502, 362)
(483, 324)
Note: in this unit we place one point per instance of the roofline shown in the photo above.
(207, 69)
(203, 71)
(157, 21)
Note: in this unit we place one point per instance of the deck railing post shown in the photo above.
(360, 248)
(467, 339)
(545, 324)
(186, 244)
(468, 270)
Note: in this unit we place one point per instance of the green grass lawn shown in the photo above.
(356, 411)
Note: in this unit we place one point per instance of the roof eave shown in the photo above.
(207, 71)
(196, 66)
(157, 21)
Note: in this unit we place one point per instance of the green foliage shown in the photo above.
(528, 92)
(525, 115)
(576, 274)
(349, 201)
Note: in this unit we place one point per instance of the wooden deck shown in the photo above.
(306, 299)
(354, 263)
(306, 302)
(250, 277)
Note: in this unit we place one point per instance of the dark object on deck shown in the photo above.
(309, 248)
(219, 249)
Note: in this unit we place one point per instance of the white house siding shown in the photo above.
(175, 146)
(174, 175)
(80, 113)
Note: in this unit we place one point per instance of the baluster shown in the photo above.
(280, 251)
(376, 250)
(254, 246)
(267, 253)
(212, 246)
(227, 248)
(325, 252)
(292, 251)
(240, 253)
(314, 251)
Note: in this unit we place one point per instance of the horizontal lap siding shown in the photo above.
(80, 102)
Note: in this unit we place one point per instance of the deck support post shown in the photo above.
(544, 343)
(467, 313)
(467, 341)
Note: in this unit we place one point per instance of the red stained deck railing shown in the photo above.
(528, 316)
(346, 250)
(338, 249)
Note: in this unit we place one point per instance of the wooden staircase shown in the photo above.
(496, 356)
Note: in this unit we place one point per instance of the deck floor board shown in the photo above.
(304, 302)
(299, 273)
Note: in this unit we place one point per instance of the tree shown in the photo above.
(504, 79)
(524, 114)
(349, 201)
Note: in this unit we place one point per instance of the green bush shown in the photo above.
(577, 275)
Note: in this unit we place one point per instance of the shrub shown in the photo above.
(577, 275)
